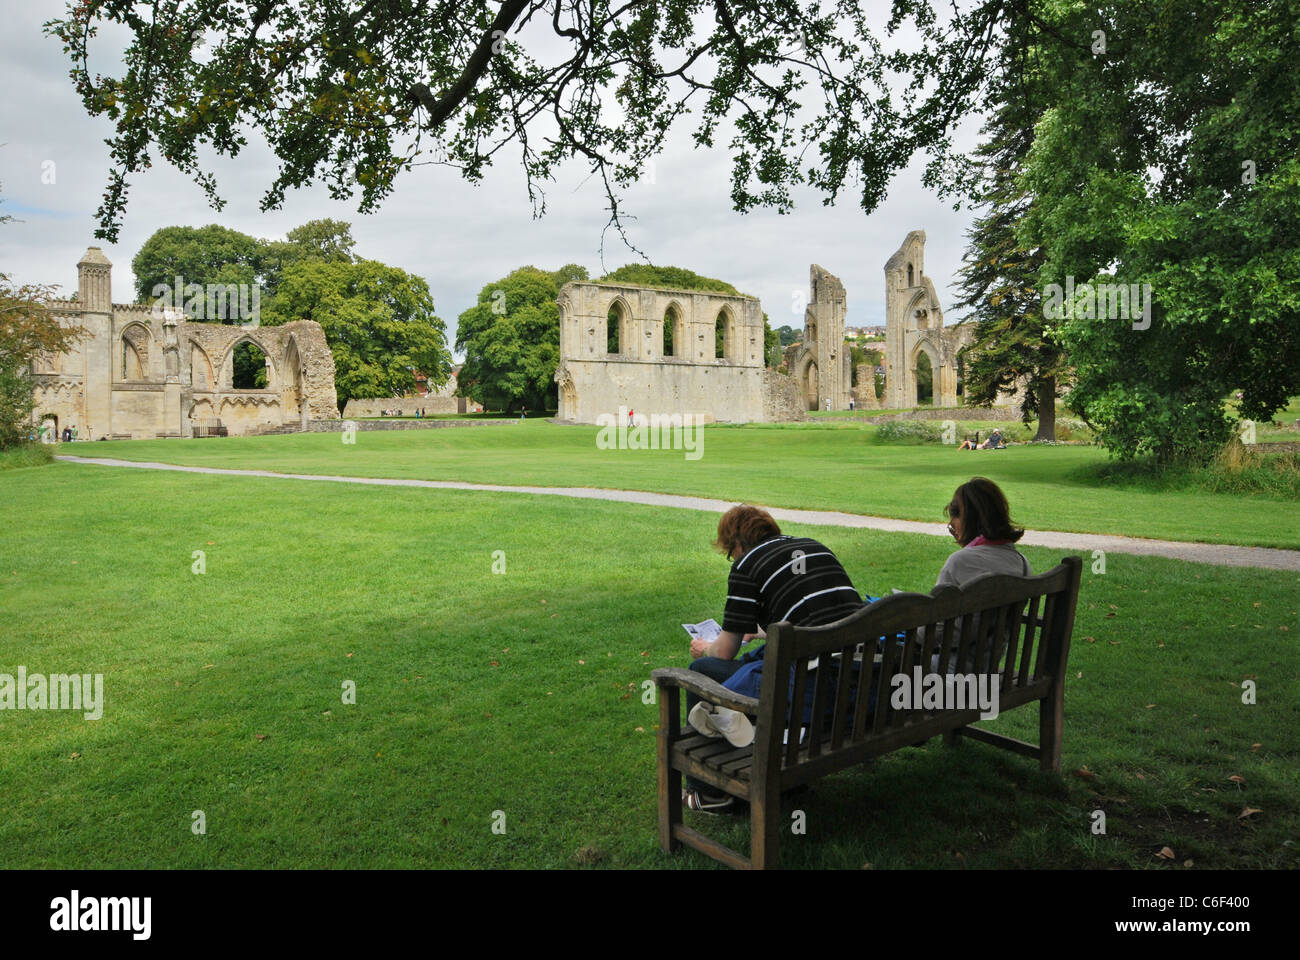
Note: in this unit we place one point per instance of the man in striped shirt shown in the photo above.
(774, 578)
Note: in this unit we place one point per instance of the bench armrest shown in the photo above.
(705, 689)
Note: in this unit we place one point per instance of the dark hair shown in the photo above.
(983, 510)
(745, 527)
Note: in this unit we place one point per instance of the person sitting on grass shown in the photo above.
(994, 442)
(773, 578)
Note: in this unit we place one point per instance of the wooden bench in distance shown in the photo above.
(1022, 625)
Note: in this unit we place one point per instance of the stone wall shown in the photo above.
(363, 426)
(782, 398)
(641, 375)
(408, 405)
(864, 394)
(951, 413)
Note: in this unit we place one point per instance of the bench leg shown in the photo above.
(670, 780)
(1051, 718)
(765, 832)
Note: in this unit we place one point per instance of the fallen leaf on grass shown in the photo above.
(1085, 773)
(1188, 863)
(1166, 854)
(640, 729)
(493, 663)
(1114, 643)
(1150, 705)
(75, 756)
(1090, 639)
(1255, 746)
(1247, 812)
(261, 737)
(1235, 778)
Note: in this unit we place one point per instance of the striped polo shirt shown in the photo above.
(787, 578)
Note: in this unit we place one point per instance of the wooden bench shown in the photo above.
(1022, 625)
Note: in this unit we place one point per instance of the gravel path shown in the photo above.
(1219, 554)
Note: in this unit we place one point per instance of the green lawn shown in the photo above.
(520, 692)
(818, 465)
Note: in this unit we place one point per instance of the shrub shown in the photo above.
(908, 431)
(26, 455)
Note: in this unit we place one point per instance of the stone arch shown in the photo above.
(291, 369)
(228, 363)
(932, 354)
(917, 311)
(53, 435)
(132, 354)
(725, 335)
(675, 343)
(201, 412)
(618, 322)
(201, 372)
(807, 376)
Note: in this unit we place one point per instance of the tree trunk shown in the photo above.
(1046, 409)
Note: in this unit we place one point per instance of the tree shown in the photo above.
(354, 94)
(787, 335)
(197, 255)
(1167, 169)
(1012, 345)
(328, 241)
(378, 321)
(511, 339)
(28, 330)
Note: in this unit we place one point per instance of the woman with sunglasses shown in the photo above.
(979, 519)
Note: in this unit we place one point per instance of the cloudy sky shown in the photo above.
(457, 236)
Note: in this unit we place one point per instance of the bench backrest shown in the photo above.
(1017, 626)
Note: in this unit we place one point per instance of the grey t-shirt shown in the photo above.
(970, 562)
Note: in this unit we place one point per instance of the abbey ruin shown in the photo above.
(665, 351)
(914, 328)
(684, 351)
(143, 371)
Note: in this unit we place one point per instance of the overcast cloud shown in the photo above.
(458, 237)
